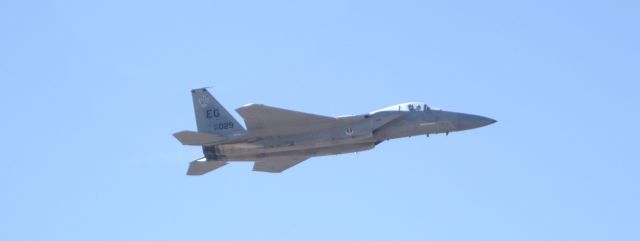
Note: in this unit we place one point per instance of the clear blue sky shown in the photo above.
(92, 91)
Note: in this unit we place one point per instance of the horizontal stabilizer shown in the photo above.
(193, 138)
(276, 165)
(202, 166)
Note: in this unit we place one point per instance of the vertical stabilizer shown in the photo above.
(212, 117)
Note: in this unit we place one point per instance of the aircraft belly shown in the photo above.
(341, 149)
(324, 151)
(249, 154)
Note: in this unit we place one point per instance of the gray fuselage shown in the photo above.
(346, 135)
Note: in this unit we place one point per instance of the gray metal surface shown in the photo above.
(201, 166)
(277, 139)
(277, 164)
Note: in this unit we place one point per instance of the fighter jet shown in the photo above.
(276, 139)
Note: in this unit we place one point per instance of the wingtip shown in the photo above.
(251, 104)
(177, 136)
(245, 106)
(205, 89)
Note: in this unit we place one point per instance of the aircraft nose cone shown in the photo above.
(488, 121)
(466, 121)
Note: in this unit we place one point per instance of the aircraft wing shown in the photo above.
(271, 120)
(277, 164)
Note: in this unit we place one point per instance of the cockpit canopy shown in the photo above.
(410, 106)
